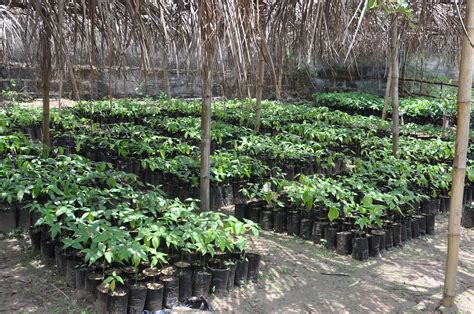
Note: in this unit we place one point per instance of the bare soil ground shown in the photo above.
(53, 103)
(296, 277)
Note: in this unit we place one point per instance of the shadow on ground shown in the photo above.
(299, 276)
(296, 277)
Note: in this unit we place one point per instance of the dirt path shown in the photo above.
(27, 285)
(299, 276)
(296, 277)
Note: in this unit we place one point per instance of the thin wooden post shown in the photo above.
(387, 94)
(61, 58)
(46, 80)
(394, 83)
(459, 162)
(206, 16)
(261, 64)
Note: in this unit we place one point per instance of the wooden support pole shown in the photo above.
(459, 163)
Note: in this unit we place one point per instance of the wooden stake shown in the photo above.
(260, 21)
(206, 19)
(387, 94)
(394, 83)
(459, 163)
(46, 80)
(61, 61)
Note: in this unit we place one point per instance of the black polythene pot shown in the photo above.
(421, 224)
(306, 214)
(306, 228)
(232, 266)
(396, 234)
(467, 220)
(227, 194)
(374, 244)
(93, 279)
(293, 222)
(23, 218)
(444, 203)
(360, 248)
(435, 206)
(241, 272)
(35, 236)
(253, 214)
(415, 228)
(137, 295)
(220, 276)
(135, 278)
(184, 274)
(117, 301)
(279, 220)
(201, 283)
(101, 301)
(154, 297)
(58, 252)
(407, 224)
(216, 199)
(330, 236)
(254, 265)
(344, 243)
(72, 262)
(238, 195)
(35, 216)
(47, 249)
(151, 274)
(170, 291)
(388, 238)
(7, 219)
(382, 241)
(81, 273)
(266, 219)
(403, 232)
(317, 233)
(239, 211)
(430, 223)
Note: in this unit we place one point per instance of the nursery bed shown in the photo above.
(408, 279)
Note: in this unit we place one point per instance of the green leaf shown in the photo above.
(156, 242)
(19, 195)
(333, 213)
(108, 256)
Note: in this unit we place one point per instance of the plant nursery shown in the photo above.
(237, 156)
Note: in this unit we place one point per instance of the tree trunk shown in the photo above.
(279, 76)
(46, 80)
(93, 49)
(164, 58)
(61, 59)
(206, 21)
(459, 163)
(205, 134)
(261, 65)
(165, 71)
(394, 83)
(259, 92)
(387, 93)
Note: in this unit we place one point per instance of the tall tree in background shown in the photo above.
(460, 156)
(45, 61)
(61, 39)
(207, 16)
(394, 76)
(387, 94)
(260, 23)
